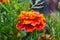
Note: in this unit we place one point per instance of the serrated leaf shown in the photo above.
(31, 2)
(39, 7)
(37, 1)
(40, 3)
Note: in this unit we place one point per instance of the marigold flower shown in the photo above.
(30, 20)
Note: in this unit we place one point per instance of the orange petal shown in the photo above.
(26, 21)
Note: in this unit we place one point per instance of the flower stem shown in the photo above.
(30, 36)
(36, 33)
(53, 32)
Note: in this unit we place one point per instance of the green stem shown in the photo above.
(53, 32)
(36, 33)
(31, 36)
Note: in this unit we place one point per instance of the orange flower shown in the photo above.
(30, 20)
(4, 1)
(58, 5)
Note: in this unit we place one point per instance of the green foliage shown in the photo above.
(8, 19)
(54, 25)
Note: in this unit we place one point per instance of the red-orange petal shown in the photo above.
(19, 26)
(40, 26)
(0, 0)
(35, 22)
(29, 28)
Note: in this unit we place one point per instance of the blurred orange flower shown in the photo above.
(4, 1)
(0, 0)
(47, 36)
(39, 38)
(58, 5)
(30, 20)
